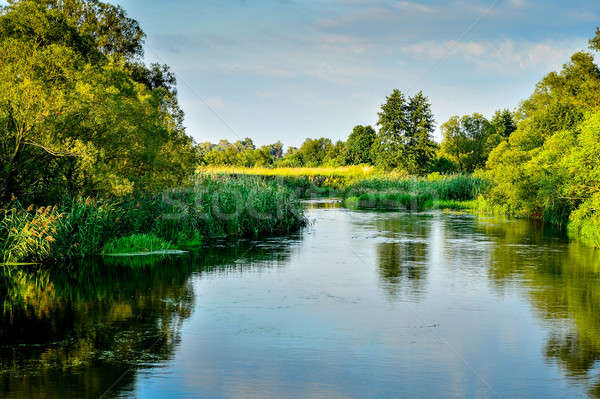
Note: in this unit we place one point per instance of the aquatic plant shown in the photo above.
(136, 243)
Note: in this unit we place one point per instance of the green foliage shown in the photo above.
(548, 167)
(242, 153)
(455, 205)
(595, 42)
(504, 123)
(27, 235)
(215, 207)
(405, 139)
(389, 200)
(584, 222)
(314, 151)
(80, 114)
(468, 141)
(359, 144)
(413, 194)
(136, 243)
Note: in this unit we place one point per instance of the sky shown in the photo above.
(291, 69)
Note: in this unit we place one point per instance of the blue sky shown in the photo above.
(291, 69)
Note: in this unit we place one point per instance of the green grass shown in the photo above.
(455, 205)
(136, 243)
(451, 192)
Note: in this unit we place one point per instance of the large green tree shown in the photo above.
(405, 138)
(359, 145)
(467, 141)
(547, 168)
(75, 117)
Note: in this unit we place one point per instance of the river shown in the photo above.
(358, 305)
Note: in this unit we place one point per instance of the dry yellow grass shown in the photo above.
(348, 172)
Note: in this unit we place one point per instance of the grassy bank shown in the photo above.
(310, 182)
(367, 187)
(214, 207)
(415, 193)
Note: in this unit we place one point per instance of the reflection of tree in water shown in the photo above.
(75, 333)
(563, 283)
(403, 260)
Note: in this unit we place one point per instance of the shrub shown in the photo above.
(584, 222)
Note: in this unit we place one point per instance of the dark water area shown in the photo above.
(358, 305)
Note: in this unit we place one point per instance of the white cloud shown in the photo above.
(505, 56)
(519, 3)
(342, 44)
(259, 69)
(421, 8)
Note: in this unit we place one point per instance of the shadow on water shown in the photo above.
(87, 331)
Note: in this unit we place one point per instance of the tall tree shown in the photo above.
(421, 124)
(405, 134)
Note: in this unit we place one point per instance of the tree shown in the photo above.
(466, 141)
(359, 144)
(313, 151)
(275, 150)
(405, 134)
(529, 172)
(421, 148)
(73, 120)
(504, 123)
(336, 155)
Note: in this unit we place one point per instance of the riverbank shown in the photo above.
(213, 207)
(364, 187)
(369, 188)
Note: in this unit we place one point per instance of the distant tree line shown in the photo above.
(404, 141)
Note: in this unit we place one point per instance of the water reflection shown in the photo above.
(84, 332)
(562, 280)
(402, 258)
(367, 304)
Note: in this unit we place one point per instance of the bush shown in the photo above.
(584, 222)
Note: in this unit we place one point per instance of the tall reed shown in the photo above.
(214, 207)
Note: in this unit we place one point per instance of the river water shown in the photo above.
(358, 305)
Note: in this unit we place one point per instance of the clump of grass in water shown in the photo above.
(135, 244)
(454, 205)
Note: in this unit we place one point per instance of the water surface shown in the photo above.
(359, 305)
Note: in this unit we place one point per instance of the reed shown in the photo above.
(214, 207)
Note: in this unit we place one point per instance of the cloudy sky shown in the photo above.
(291, 69)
